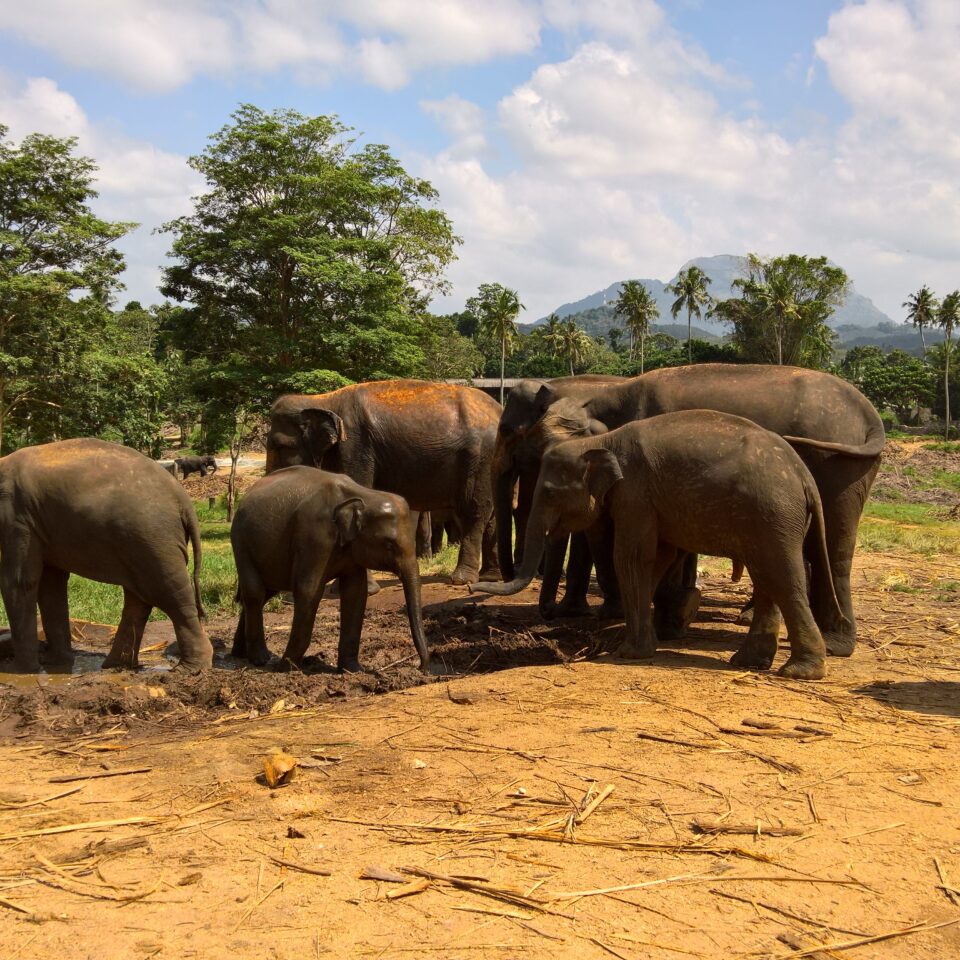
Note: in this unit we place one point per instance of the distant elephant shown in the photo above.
(696, 481)
(201, 465)
(298, 528)
(431, 443)
(107, 513)
(832, 426)
(516, 464)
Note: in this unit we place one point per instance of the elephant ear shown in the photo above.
(546, 396)
(320, 430)
(603, 471)
(348, 517)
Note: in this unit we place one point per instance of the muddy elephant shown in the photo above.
(201, 465)
(431, 443)
(832, 426)
(516, 463)
(104, 512)
(297, 529)
(697, 481)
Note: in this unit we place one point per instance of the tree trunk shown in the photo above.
(232, 484)
(503, 363)
(946, 384)
(923, 343)
(689, 335)
(571, 364)
(643, 338)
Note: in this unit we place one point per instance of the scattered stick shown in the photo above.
(14, 906)
(786, 913)
(42, 800)
(409, 889)
(87, 825)
(908, 796)
(755, 830)
(775, 732)
(577, 894)
(594, 803)
(811, 803)
(945, 884)
(867, 833)
(849, 944)
(709, 745)
(373, 872)
(315, 871)
(100, 775)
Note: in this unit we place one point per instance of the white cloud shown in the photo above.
(136, 181)
(463, 120)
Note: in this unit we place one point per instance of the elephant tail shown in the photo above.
(871, 447)
(192, 529)
(815, 509)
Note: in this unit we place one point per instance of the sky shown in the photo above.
(573, 144)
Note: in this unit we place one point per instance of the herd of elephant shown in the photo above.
(770, 466)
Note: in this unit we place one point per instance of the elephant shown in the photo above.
(431, 443)
(832, 426)
(108, 513)
(298, 528)
(697, 481)
(516, 462)
(201, 465)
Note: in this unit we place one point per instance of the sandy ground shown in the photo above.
(739, 815)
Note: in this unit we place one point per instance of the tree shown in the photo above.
(307, 251)
(948, 319)
(496, 308)
(570, 343)
(58, 270)
(446, 353)
(782, 311)
(894, 380)
(614, 335)
(922, 311)
(637, 308)
(690, 289)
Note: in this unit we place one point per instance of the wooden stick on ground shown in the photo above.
(100, 775)
(594, 803)
(945, 883)
(850, 944)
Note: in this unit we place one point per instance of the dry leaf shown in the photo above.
(278, 768)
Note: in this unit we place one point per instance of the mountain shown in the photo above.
(857, 311)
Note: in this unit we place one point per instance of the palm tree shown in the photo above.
(636, 306)
(948, 319)
(567, 341)
(553, 334)
(498, 308)
(690, 290)
(922, 311)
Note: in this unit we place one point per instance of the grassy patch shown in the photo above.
(915, 527)
(943, 446)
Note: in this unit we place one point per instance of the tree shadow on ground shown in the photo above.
(921, 696)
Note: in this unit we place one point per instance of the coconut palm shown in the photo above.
(690, 289)
(948, 319)
(568, 342)
(497, 308)
(921, 310)
(636, 306)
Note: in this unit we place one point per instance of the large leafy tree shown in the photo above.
(307, 251)
(637, 308)
(570, 343)
(892, 379)
(781, 313)
(496, 308)
(921, 310)
(690, 290)
(948, 319)
(58, 271)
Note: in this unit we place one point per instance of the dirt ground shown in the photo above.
(541, 799)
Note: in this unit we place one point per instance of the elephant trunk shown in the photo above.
(410, 578)
(532, 552)
(504, 478)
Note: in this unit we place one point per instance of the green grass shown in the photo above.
(943, 446)
(914, 527)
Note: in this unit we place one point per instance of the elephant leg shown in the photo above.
(20, 572)
(677, 597)
(468, 562)
(490, 557)
(634, 556)
(307, 594)
(579, 565)
(254, 645)
(759, 648)
(353, 605)
(600, 539)
(177, 601)
(807, 648)
(125, 649)
(424, 536)
(526, 486)
(844, 484)
(239, 648)
(553, 555)
(436, 536)
(55, 616)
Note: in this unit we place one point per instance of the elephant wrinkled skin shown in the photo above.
(697, 481)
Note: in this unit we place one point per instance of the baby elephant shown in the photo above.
(201, 465)
(104, 512)
(699, 481)
(300, 527)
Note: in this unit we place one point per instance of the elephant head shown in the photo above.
(575, 479)
(320, 431)
(377, 532)
(534, 419)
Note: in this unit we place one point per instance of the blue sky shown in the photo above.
(573, 143)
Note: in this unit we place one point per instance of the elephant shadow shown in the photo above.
(940, 697)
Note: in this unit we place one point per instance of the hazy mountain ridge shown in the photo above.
(857, 311)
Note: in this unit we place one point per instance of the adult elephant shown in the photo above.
(516, 466)
(431, 443)
(832, 426)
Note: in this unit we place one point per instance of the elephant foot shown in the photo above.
(462, 576)
(350, 665)
(548, 610)
(120, 661)
(576, 607)
(755, 654)
(689, 605)
(490, 574)
(284, 665)
(259, 657)
(799, 668)
(610, 610)
(635, 650)
(26, 665)
(839, 643)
